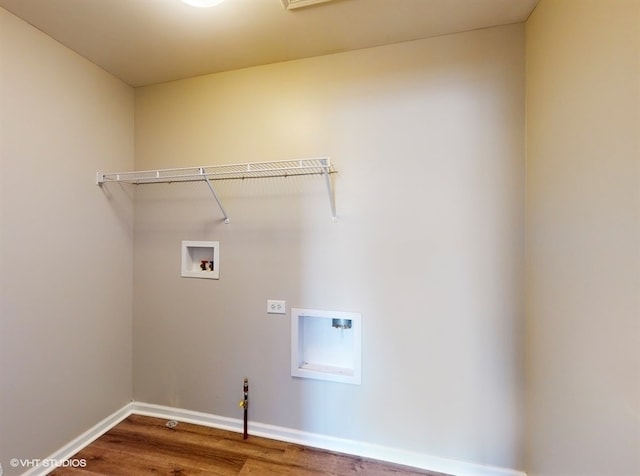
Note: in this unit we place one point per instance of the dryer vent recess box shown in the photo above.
(326, 345)
(201, 259)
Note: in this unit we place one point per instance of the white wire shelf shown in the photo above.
(253, 170)
(283, 168)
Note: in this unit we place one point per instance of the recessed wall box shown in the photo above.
(201, 259)
(326, 345)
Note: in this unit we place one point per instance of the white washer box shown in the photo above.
(201, 259)
(326, 345)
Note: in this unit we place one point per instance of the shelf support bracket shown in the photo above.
(215, 195)
(327, 180)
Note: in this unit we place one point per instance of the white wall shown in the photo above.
(583, 220)
(428, 137)
(65, 245)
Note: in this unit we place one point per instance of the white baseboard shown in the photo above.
(67, 451)
(341, 445)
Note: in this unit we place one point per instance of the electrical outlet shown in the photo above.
(275, 306)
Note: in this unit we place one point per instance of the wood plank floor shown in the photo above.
(141, 445)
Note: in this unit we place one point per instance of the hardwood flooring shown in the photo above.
(141, 445)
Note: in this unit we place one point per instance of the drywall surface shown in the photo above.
(65, 245)
(428, 138)
(583, 222)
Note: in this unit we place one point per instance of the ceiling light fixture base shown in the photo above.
(293, 4)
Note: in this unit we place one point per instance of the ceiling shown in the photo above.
(151, 41)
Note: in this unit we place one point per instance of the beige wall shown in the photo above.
(583, 221)
(65, 246)
(428, 137)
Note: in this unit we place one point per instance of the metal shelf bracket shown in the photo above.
(215, 195)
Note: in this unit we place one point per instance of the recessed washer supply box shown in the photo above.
(326, 345)
(201, 259)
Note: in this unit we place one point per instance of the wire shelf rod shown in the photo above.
(251, 170)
